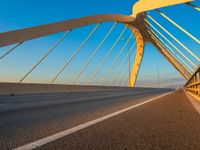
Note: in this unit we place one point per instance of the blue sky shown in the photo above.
(18, 14)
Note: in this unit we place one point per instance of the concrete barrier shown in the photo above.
(31, 88)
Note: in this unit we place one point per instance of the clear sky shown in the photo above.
(18, 14)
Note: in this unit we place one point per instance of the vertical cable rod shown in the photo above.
(114, 62)
(193, 6)
(125, 83)
(46, 54)
(161, 46)
(178, 26)
(106, 57)
(123, 72)
(171, 44)
(75, 53)
(188, 50)
(115, 73)
(13, 48)
(172, 51)
(94, 53)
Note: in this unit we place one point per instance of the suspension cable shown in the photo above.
(177, 55)
(179, 65)
(115, 73)
(170, 47)
(125, 83)
(178, 26)
(193, 6)
(174, 38)
(172, 51)
(46, 54)
(123, 72)
(170, 43)
(75, 53)
(160, 45)
(119, 54)
(10, 50)
(106, 57)
(94, 53)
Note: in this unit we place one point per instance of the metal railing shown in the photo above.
(193, 84)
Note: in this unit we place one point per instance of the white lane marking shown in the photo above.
(194, 102)
(61, 134)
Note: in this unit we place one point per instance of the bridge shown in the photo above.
(86, 97)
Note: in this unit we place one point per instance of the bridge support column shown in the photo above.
(138, 57)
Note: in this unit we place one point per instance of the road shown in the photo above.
(168, 122)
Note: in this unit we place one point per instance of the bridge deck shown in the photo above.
(169, 122)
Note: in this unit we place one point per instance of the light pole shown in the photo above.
(129, 63)
(158, 77)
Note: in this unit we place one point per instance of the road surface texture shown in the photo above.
(169, 122)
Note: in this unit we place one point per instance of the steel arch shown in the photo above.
(135, 22)
(18, 36)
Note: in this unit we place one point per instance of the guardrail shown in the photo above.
(193, 84)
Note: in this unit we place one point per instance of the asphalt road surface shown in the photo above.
(168, 122)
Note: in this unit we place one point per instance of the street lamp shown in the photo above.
(129, 64)
(158, 77)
